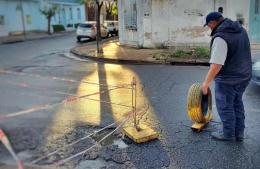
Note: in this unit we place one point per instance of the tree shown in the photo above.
(111, 9)
(115, 9)
(98, 5)
(98, 9)
(49, 12)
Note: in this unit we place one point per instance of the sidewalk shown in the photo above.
(30, 36)
(113, 52)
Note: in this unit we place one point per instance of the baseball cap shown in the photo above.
(212, 16)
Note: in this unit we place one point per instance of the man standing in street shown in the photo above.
(231, 68)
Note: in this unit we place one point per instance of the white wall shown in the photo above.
(3, 12)
(130, 36)
(177, 22)
(236, 7)
(167, 22)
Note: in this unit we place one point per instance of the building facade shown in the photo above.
(160, 23)
(24, 15)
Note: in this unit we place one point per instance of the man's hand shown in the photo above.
(204, 88)
(213, 71)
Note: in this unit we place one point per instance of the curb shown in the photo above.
(116, 61)
(177, 63)
(31, 39)
(137, 62)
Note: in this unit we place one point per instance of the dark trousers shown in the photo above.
(230, 108)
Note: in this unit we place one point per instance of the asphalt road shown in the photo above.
(42, 72)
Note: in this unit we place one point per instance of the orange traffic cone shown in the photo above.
(8, 146)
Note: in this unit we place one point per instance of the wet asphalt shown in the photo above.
(43, 72)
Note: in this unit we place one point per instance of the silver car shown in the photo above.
(112, 27)
(88, 30)
(256, 72)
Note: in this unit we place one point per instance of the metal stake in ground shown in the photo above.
(134, 98)
(138, 132)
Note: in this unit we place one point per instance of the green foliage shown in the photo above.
(181, 53)
(199, 52)
(114, 9)
(49, 12)
(58, 28)
(202, 52)
(185, 53)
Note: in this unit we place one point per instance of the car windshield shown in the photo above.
(85, 25)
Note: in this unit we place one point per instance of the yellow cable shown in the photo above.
(194, 108)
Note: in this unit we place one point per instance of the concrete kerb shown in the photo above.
(28, 38)
(92, 56)
(115, 61)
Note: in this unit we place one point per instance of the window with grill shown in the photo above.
(79, 13)
(256, 6)
(71, 14)
(28, 19)
(130, 14)
(2, 20)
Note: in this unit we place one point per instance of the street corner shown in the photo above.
(84, 52)
(113, 52)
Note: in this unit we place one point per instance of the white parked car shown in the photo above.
(256, 72)
(89, 30)
(112, 27)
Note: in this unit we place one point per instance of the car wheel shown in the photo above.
(79, 39)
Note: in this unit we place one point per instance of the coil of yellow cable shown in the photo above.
(199, 106)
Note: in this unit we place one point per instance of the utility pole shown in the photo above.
(22, 17)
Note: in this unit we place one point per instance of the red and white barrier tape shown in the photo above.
(61, 162)
(24, 85)
(71, 144)
(62, 79)
(6, 143)
(128, 115)
(47, 106)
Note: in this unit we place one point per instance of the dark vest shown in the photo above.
(238, 65)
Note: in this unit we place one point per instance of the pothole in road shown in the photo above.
(114, 139)
(91, 154)
(108, 141)
(91, 164)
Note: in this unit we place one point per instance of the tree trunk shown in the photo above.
(109, 16)
(98, 36)
(49, 26)
(109, 7)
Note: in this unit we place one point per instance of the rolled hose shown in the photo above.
(199, 106)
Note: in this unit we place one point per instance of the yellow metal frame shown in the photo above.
(199, 126)
(141, 135)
